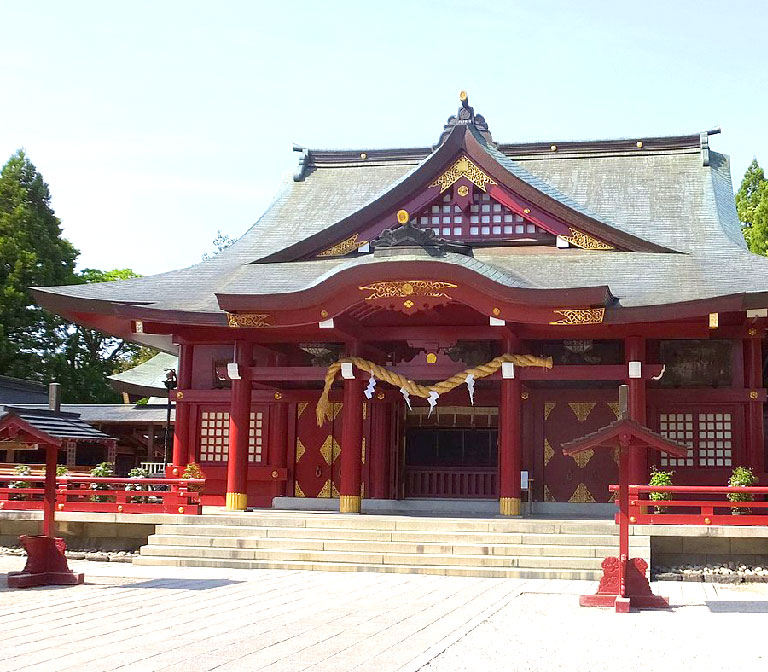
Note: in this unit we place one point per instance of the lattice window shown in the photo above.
(487, 219)
(715, 439)
(709, 437)
(214, 436)
(677, 427)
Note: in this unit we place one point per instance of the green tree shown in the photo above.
(752, 207)
(220, 243)
(35, 344)
(32, 252)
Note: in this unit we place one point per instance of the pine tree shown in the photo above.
(752, 207)
(32, 253)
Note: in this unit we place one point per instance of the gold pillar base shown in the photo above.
(509, 506)
(237, 501)
(349, 504)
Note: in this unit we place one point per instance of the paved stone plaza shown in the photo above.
(144, 619)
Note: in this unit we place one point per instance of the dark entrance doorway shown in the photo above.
(451, 454)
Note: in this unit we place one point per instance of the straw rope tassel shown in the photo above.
(413, 388)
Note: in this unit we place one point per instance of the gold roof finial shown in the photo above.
(463, 96)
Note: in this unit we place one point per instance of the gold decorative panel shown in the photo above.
(300, 449)
(579, 315)
(548, 406)
(614, 406)
(585, 241)
(335, 410)
(325, 491)
(583, 458)
(362, 451)
(297, 491)
(334, 491)
(548, 494)
(403, 288)
(581, 495)
(549, 452)
(463, 167)
(330, 450)
(344, 247)
(302, 406)
(251, 320)
(581, 409)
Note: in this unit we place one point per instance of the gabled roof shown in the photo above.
(669, 201)
(50, 426)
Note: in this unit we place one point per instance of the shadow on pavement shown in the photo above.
(738, 607)
(182, 584)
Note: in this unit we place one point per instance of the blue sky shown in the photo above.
(157, 124)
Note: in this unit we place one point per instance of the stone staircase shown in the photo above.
(484, 547)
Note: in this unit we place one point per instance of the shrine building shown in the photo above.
(436, 322)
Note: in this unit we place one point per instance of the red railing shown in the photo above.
(713, 508)
(451, 482)
(120, 495)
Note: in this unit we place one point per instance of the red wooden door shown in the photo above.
(317, 465)
(585, 477)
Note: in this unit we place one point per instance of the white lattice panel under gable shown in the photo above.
(486, 219)
(709, 437)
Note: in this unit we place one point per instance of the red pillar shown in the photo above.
(183, 453)
(239, 425)
(351, 447)
(753, 373)
(49, 490)
(381, 447)
(510, 440)
(634, 351)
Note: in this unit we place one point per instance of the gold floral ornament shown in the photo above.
(585, 241)
(325, 408)
(579, 315)
(249, 320)
(344, 247)
(407, 288)
(463, 190)
(463, 167)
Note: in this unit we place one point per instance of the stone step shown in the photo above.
(420, 536)
(416, 559)
(441, 570)
(590, 551)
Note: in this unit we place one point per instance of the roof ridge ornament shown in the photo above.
(465, 117)
(409, 237)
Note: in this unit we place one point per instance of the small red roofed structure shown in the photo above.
(624, 583)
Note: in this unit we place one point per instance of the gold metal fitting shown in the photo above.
(236, 501)
(408, 304)
(119, 508)
(509, 506)
(175, 471)
(380, 395)
(403, 217)
(431, 358)
(714, 320)
(462, 96)
(179, 395)
(752, 332)
(496, 311)
(61, 507)
(463, 190)
(527, 211)
(523, 395)
(349, 504)
(275, 474)
(553, 148)
(632, 519)
(753, 394)
(278, 395)
(181, 509)
(363, 156)
(323, 313)
(707, 521)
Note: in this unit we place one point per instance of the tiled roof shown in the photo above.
(62, 425)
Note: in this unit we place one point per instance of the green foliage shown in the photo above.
(137, 472)
(61, 470)
(752, 207)
(20, 470)
(35, 344)
(742, 477)
(102, 470)
(660, 478)
(192, 470)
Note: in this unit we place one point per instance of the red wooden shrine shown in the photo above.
(622, 260)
